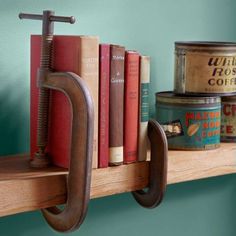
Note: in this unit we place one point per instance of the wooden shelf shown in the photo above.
(25, 189)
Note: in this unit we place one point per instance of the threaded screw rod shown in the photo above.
(41, 158)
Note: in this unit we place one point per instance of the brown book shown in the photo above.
(116, 107)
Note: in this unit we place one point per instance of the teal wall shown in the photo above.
(205, 207)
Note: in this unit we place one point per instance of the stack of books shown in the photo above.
(118, 81)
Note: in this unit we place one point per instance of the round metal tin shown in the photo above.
(205, 68)
(190, 123)
(228, 119)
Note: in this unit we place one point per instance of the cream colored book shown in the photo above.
(89, 71)
(143, 152)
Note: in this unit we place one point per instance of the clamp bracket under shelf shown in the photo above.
(25, 189)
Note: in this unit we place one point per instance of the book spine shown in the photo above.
(89, 72)
(35, 51)
(131, 107)
(78, 54)
(143, 153)
(103, 129)
(116, 105)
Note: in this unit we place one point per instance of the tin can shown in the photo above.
(228, 119)
(190, 123)
(205, 68)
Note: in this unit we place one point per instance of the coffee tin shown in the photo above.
(190, 123)
(228, 119)
(205, 68)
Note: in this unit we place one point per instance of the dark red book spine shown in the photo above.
(131, 106)
(34, 92)
(103, 130)
(116, 105)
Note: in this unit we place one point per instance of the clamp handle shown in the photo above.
(70, 19)
(48, 19)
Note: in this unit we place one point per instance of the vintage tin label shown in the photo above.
(210, 73)
(205, 68)
(228, 121)
(179, 81)
(190, 127)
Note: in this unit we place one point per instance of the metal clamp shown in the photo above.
(157, 168)
(80, 168)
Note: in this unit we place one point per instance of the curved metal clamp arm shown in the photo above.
(158, 168)
(79, 177)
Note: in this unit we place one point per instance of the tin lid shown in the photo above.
(229, 99)
(170, 97)
(205, 45)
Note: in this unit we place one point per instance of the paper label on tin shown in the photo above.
(179, 73)
(173, 128)
(228, 119)
(210, 73)
(200, 127)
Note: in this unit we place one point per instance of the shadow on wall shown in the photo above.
(14, 114)
(198, 199)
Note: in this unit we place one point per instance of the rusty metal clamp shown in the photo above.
(157, 168)
(80, 168)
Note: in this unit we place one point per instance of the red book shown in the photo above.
(131, 106)
(78, 54)
(103, 122)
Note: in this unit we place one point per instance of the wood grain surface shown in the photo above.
(25, 189)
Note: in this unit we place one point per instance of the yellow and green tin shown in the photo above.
(228, 119)
(190, 123)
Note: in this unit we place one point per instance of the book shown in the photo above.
(116, 105)
(78, 54)
(143, 151)
(131, 106)
(103, 126)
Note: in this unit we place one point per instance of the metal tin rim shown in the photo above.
(229, 99)
(227, 139)
(205, 43)
(210, 147)
(198, 94)
(170, 97)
